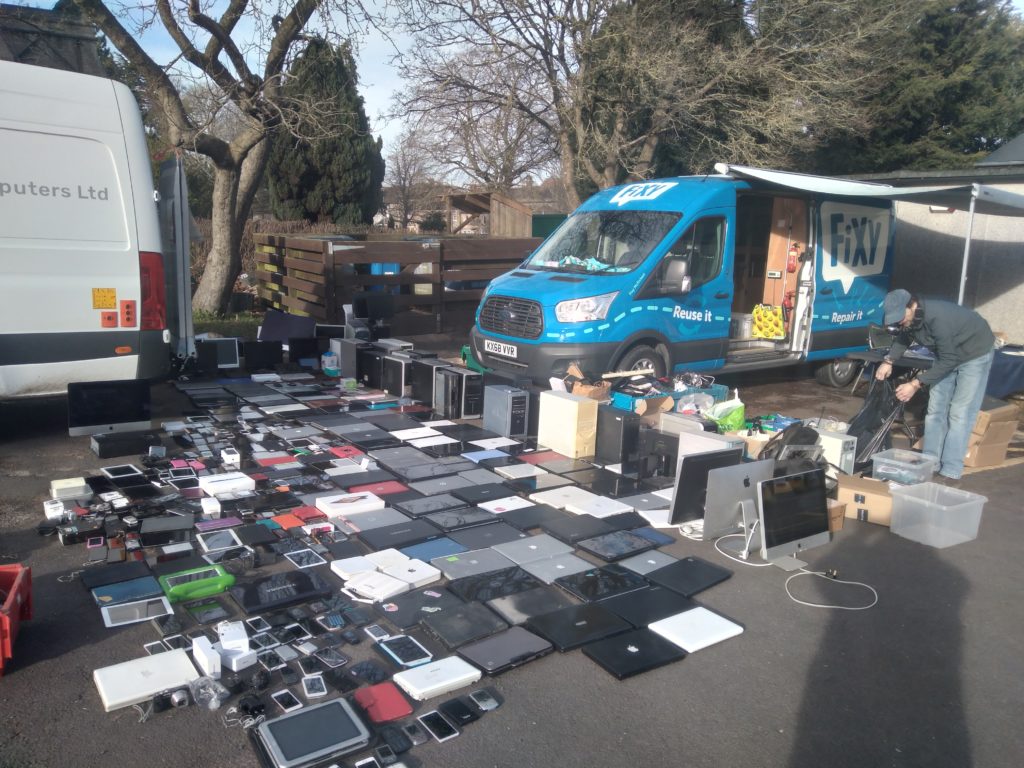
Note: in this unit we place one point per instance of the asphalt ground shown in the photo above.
(930, 676)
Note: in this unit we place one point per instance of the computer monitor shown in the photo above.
(731, 505)
(793, 515)
(373, 307)
(304, 349)
(217, 354)
(692, 482)
(260, 355)
(97, 407)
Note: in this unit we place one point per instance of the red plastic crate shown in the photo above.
(16, 592)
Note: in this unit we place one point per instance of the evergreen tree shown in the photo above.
(337, 177)
(957, 97)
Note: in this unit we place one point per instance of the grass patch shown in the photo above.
(243, 325)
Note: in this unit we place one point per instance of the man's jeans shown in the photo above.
(953, 405)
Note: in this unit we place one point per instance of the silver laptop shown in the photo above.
(480, 476)
(471, 563)
(644, 502)
(559, 498)
(599, 506)
(378, 518)
(444, 484)
(696, 629)
(646, 562)
(532, 548)
(551, 568)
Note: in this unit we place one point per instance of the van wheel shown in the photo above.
(642, 356)
(838, 373)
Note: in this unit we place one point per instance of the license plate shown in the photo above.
(499, 348)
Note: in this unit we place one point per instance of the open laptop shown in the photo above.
(633, 653)
(518, 607)
(577, 625)
(689, 575)
(696, 629)
(463, 624)
(506, 650)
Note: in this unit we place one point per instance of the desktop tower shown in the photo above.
(659, 453)
(839, 450)
(422, 375)
(567, 424)
(394, 345)
(618, 437)
(506, 410)
(370, 362)
(396, 377)
(458, 393)
(348, 351)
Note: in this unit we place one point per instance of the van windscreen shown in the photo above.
(603, 241)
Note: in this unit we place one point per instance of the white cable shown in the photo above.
(694, 531)
(805, 572)
(745, 546)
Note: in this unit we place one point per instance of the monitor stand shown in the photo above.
(788, 563)
(751, 538)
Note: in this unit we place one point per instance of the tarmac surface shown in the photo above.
(931, 676)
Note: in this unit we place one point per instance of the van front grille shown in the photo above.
(512, 317)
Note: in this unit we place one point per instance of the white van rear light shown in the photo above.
(154, 301)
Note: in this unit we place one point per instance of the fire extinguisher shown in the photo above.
(787, 304)
(793, 260)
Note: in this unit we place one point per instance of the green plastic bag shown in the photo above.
(730, 416)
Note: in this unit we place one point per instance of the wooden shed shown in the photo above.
(507, 217)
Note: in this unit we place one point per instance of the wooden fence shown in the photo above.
(436, 285)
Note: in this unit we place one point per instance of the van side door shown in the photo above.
(693, 288)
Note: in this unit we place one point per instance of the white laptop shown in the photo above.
(385, 558)
(599, 506)
(494, 443)
(517, 471)
(532, 548)
(416, 433)
(436, 677)
(506, 504)
(139, 680)
(376, 585)
(696, 628)
(559, 498)
(348, 567)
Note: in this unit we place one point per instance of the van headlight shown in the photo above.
(585, 309)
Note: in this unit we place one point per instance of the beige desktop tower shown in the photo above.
(567, 424)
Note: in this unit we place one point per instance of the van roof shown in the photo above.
(670, 194)
(52, 97)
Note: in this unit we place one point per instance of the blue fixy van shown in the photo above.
(667, 274)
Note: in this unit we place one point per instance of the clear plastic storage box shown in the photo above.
(936, 515)
(901, 466)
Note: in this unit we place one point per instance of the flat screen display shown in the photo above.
(794, 507)
(95, 407)
(692, 482)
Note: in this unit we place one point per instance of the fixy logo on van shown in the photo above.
(856, 238)
(649, 190)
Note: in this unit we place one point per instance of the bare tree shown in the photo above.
(745, 80)
(409, 178)
(242, 57)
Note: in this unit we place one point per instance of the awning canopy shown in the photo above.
(986, 199)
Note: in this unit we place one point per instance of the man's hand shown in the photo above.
(884, 371)
(906, 391)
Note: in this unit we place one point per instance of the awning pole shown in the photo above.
(967, 245)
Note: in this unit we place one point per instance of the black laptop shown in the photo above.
(476, 494)
(625, 521)
(406, 610)
(604, 482)
(484, 536)
(575, 528)
(615, 545)
(518, 607)
(399, 535)
(458, 519)
(689, 575)
(633, 653)
(426, 505)
(463, 624)
(505, 650)
(466, 432)
(644, 606)
(488, 586)
(576, 625)
(600, 583)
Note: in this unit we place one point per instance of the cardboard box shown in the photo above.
(754, 442)
(836, 513)
(599, 391)
(997, 432)
(994, 411)
(983, 455)
(866, 499)
(567, 424)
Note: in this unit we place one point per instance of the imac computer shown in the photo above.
(691, 484)
(96, 407)
(793, 516)
(731, 505)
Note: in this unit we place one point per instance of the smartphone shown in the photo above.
(404, 651)
(258, 624)
(366, 762)
(415, 733)
(286, 700)
(314, 686)
(376, 632)
(484, 700)
(437, 725)
(331, 621)
(263, 641)
(155, 647)
(270, 660)
(173, 642)
(459, 711)
(95, 541)
(385, 754)
(331, 657)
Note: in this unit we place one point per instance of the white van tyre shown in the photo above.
(642, 356)
(838, 373)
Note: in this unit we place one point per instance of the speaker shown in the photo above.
(618, 437)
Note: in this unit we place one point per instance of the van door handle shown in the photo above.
(825, 291)
(722, 295)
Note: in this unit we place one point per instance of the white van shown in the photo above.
(81, 267)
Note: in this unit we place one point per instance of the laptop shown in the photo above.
(506, 504)
(600, 583)
(623, 521)
(458, 519)
(652, 534)
(536, 483)
(471, 563)
(598, 506)
(402, 456)
(488, 586)
(532, 548)
(696, 629)
(438, 485)
(400, 535)
(573, 528)
(480, 476)
(643, 607)
(505, 650)
(436, 678)
(551, 568)
(425, 505)
(577, 625)
(518, 607)
(406, 610)
(648, 561)
(428, 550)
(523, 469)
(604, 482)
(560, 498)
(646, 502)
(434, 468)
(689, 575)
(466, 432)
(475, 494)
(377, 518)
(138, 680)
(483, 536)
(531, 517)
(615, 545)
(463, 624)
(633, 653)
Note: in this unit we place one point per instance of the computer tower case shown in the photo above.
(458, 393)
(659, 453)
(371, 366)
(422, 374)
(396, 376)
(348, 351)
(506, 410)
(567, 424)
(618, 437)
